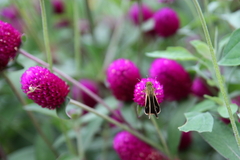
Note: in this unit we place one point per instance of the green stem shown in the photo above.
(68, 141)
(218, 73)
(90, 19)
(45, 34)
(123, 126)
(161, 137)
(77, 129)
(30, 114)
(76, 35)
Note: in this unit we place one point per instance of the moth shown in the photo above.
(152, 106)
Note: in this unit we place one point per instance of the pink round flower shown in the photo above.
(186, 140)
(130, 147)
(200, 87)
(166, 22)
(140, 91)
(175, 80)
(58, 6)
(122, 75)
(43, 87)
(135, 13)
(82, 96)
(10, 12)
(10, 41)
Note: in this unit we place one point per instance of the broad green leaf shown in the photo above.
(223, 110)
(61, 111)
(200, 122)
(202, 48)
(89, 132)
(26, 153)
(68, 156)
(231, 56)
(139, 111)
(36, 108)
(203, 106)
(215, 99)
(14, 66)
(175, 53)
(222, 140)
(177, 119)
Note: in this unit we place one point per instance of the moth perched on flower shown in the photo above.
(148, 93)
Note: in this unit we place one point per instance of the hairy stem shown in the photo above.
(218, 73)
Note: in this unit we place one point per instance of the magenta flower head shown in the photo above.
(10, 12)
(186, 140)
(43, 87)
(58, 6)
(129, 147)
(200, 87)
(84, 97)
(122, 75)
(135, 13)
(175, 80)
(140, 91)
(166, 22)
(10, 41)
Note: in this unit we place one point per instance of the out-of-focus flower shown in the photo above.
(186, 140)
(140, 91)
(166, 22)
(166, 1)
(130, 147)
(122, 75)
(58, 6)
(10, 12)
(200, 87)
(43, 87)
(79, 95)
(136, 12)
(174, 78)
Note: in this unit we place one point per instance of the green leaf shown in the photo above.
(222, 140)
(36, 108)
(15, 66)
(202, 48)
(68, 156)
(214, 99)
(177, 119)
(203, 106)
(139, 111)
(175, 53)
(200, 122)
(61, 111)
(231, 56)
(24, 38)
(223, 110)
(26, 153)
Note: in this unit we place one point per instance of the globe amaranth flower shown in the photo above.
(10, 12)
(200, 87)
(135, 13)
(10, 41)
(166, 22)
(58, 6)
(79, 95)
(186, 140)
(122, 75)
(129, 147)
(174, 78)
(140, 91)
(43, 87)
